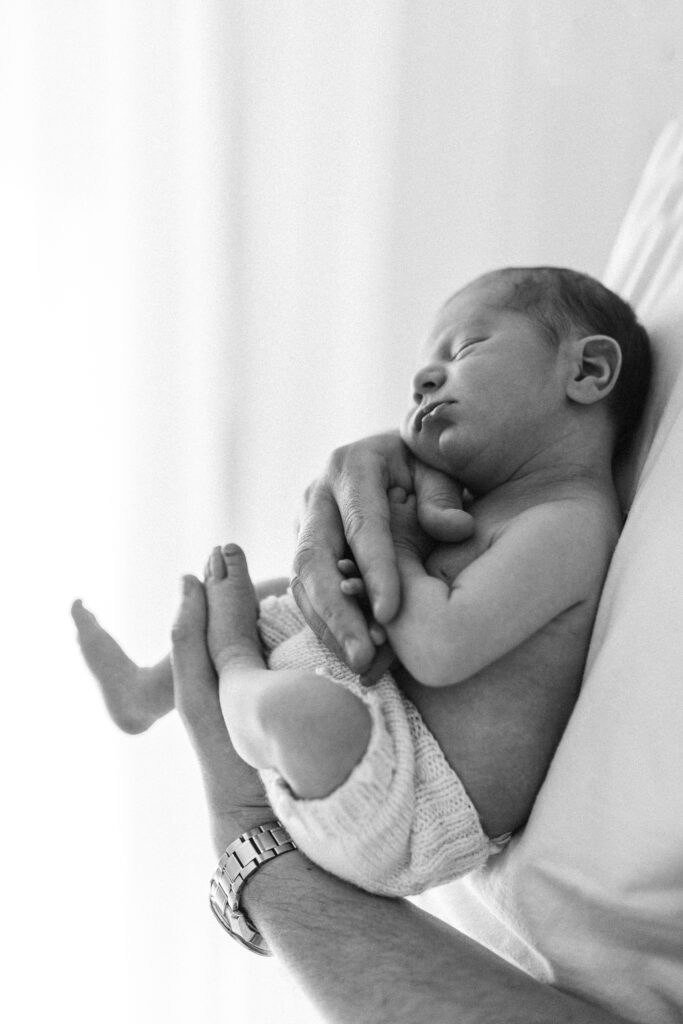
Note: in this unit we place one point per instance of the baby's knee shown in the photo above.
(320, 731)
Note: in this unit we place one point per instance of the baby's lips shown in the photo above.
(431, 411)
(440, 411)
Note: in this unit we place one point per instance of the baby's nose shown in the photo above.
(428, 379)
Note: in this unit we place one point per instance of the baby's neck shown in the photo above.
(536, 485)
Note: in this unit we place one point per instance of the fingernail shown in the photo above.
(354, 652)
(375, 599)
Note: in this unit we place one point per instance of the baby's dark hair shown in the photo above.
(563, 302)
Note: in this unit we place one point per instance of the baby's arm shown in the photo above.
(545, 561)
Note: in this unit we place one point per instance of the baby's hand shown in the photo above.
(353, 586)
(409, 537)
(439, 506)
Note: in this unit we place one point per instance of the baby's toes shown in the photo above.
(215, 566)
(229, 582)
(236, 568)
(83, 618)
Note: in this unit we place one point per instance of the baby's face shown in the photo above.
(488, 390)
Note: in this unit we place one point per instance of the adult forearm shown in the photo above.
(364, 958)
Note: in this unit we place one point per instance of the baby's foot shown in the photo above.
(130, 692)
(232, 635)
(406, 531)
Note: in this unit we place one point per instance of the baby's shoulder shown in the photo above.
(582, 525)
(585, 509)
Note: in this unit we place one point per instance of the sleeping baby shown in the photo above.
(531, 380)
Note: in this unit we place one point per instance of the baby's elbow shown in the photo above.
(437, 677)
(435, 668)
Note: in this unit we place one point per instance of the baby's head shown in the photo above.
(521, 344)
(564, 303)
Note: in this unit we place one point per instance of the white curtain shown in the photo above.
(225, 228)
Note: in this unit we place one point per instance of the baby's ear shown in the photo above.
(595, 366)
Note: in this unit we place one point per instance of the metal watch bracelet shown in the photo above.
(239, 862)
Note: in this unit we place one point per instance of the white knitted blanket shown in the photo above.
(402, 822)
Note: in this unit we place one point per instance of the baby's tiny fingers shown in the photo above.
(377, 634)
(353, 587)
(348, 567)
(397, 495)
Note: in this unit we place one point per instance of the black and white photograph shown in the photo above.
(343, 424)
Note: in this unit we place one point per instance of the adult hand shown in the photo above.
(326, 930)
(348, 505)
(233, 789)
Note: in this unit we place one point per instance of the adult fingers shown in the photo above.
(349, 506)
(439, 506)
(382, 662)
(232, 787)
(194, 677)
(335, 618)
(359, 478)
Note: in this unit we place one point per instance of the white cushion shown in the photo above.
(590, 896)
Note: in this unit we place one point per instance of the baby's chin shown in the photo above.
(426, 446)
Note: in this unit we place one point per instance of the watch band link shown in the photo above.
(241, 859)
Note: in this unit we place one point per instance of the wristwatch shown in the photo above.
(239, 862)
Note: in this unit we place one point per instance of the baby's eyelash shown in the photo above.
(461, 348)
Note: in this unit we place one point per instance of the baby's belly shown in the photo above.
(500, 728)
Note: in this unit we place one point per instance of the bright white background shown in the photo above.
(225, 226)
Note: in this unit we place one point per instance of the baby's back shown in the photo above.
(500, 727)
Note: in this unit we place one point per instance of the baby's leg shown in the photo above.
(311, 730)
(135, 697)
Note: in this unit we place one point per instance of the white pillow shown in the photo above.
(590, 896)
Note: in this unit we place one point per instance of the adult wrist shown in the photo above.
(242, 858)
(228, 824)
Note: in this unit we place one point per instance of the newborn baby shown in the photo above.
(531, 379)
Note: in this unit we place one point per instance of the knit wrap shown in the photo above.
(402, 821)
